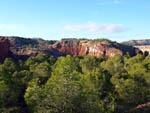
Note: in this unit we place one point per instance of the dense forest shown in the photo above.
(44, 84)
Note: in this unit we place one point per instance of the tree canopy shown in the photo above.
(44, 84)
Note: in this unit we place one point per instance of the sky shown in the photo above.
(117, 20)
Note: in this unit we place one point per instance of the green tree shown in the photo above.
(114, 65)
(59, 91)
(88, 63)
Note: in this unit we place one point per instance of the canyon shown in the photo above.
(94, 48)
(23, 48)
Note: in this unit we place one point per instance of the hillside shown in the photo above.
(22, 48)
(27, 46)
(142, 45)
(92, 82)
(45, 84)
(137, 42)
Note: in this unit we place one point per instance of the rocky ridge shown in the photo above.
(137, 42)
(23, 48)
(89, 47)
(142, 45)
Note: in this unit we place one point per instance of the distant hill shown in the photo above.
(28, 46)
(137, 42)
(25, 42)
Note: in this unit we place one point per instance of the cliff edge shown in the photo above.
(4, 49)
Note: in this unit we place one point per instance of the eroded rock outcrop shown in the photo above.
(4, 49)
(145, 50)
(87, 47)
(62, 48)
(142, 45)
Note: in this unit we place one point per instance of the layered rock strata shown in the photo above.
(86, 47)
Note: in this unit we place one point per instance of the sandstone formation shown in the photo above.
(144, 49)
(4, 49)
(87, 47)
(22, 48)
(142, 45)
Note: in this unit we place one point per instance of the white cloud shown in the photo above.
(96, 28)
(11, 26)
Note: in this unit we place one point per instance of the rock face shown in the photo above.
(4, 49)
(87, 47)
(25, 49)
(142, 45)
(145, 49)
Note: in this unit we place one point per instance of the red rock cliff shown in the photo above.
(86, 47)
(64, 47)
(4, 48)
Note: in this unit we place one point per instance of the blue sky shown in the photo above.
(117, 20)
